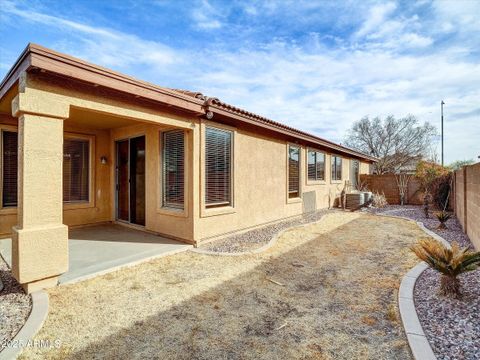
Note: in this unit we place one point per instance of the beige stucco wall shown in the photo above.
(98, 209)
(172, 223)
(260, 166)
(260, 185)
(40, 94)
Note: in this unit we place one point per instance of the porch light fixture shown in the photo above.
(103, 160)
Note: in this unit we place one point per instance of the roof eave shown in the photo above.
(22, 64)
(270, 125)
(36, 56)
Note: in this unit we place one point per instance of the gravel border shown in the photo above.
(15, 305)
(451, 326)
(257, 239)
(34, 323)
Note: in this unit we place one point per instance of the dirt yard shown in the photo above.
(324, 291)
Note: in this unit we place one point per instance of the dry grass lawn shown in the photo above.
(324, 291)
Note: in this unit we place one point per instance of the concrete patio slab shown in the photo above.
(96, 250)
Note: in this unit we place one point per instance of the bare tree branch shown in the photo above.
(396, 142)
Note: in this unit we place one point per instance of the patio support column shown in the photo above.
(40, 240)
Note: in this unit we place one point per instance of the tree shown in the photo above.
(402, 182)
(398, 143)
(428, 173)
(460, 163)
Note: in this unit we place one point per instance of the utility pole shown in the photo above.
(441, 105)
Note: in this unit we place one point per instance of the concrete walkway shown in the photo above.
(100, 249)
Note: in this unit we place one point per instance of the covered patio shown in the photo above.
(100, 249)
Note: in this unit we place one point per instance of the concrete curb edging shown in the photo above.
(34, 323)
(261, 249)
(417, 340)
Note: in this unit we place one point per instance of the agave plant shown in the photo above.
(443, 217)
(450, 262)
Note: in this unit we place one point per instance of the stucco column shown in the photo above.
(40, 240)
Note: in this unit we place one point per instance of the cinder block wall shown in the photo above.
(467, 201)
(387, 184)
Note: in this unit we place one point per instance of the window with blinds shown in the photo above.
(218, 167)
(173, 169)
(9, 143)
(76, 170)
(316, 165)
(293, 172)
(336, 168)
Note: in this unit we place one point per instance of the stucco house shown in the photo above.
(82, 145)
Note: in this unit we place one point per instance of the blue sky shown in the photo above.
(314, 65)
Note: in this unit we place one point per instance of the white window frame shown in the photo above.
(300, 173)
(72, 205)
(223, 210)
(332, 161)
(316, 181)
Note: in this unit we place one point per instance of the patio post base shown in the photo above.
(39, 254)
(40, 284)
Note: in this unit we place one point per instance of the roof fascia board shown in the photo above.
(22, 64)
(113, 81)
(288, 132)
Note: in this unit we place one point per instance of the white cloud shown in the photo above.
(102, 45)
(375, 18)
(206, 17)
(308, 85)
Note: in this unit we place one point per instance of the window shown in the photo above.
(293, 172)
(76, 170)
(218, 171)
(173, 169)
(316, 165)
(336, 168)
(354, 173)
(9, 172)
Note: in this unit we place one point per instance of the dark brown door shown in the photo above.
(130, 186)
(137, 180)
(123, 169)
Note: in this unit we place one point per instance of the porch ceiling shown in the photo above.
(81, 118)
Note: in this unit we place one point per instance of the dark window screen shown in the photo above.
(10, 165)
(218, 158)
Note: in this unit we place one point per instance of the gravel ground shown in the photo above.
(15, 305)
(257, 238)
(452, 326)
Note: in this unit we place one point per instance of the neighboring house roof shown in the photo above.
(38, 57)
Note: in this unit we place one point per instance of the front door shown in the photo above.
(130, 180)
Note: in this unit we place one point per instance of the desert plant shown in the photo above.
(450, 262)
(440, 189)
(442, 217)
(379, 200)
(427, 172)
(362, 186)
(402, 180)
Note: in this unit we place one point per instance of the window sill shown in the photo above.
(316, 182)
(336, 181)
(218, 211)
(172, 212)
(77, 205)
(294, 200)
(8, 210)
